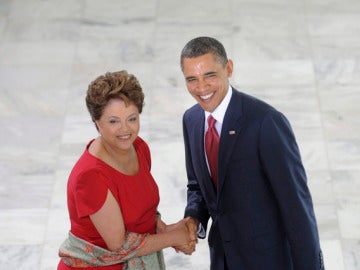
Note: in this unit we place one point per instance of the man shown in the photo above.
(254, 186)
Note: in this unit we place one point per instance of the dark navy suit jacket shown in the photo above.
(262, 213)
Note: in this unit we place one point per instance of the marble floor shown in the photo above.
(302, 56)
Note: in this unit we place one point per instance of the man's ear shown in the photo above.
(229, 67)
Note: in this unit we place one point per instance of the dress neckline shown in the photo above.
(111, 167)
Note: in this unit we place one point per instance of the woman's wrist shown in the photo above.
(160, 225)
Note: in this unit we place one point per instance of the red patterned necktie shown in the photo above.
(212, 147)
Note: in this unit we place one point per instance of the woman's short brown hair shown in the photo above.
(119, 84)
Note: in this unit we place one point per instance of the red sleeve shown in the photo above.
(90, 193)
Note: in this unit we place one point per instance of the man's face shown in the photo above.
(207, 80)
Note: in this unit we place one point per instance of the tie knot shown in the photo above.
(211, 121)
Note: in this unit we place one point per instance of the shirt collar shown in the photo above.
(220, 110)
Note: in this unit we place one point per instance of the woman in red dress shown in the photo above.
(112, 196)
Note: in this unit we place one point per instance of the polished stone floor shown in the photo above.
(302, 56)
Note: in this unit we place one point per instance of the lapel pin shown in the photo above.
(232, 132)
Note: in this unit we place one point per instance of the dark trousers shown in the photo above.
(220, 264)
(225, 264)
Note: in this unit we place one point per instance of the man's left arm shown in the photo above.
(282, 162)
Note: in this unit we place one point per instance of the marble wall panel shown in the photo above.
(337, 71)
(346, 186)
(333, 259)
(25, 191)
(334, 24)
(300, 56)
(20, 257)
(339, 97)
(23, 226)
(349, 220)
(321, 185)
(270, 47)
(341, 125)
(344, 155)
(194, 12)
(292, 72)
(333, 6)
(351, 254)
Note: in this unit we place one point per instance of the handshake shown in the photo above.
(183, 234)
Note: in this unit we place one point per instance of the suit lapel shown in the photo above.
(198, 127)
(230, 131)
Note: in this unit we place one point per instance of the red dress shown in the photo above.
(137, 195)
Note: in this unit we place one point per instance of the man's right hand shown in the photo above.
(192, 227)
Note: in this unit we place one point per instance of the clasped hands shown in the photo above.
(186, 234)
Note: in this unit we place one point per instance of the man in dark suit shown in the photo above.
(255, 192)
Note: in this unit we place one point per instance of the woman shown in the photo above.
(112, 196)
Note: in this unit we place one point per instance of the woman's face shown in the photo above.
(119, 124)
